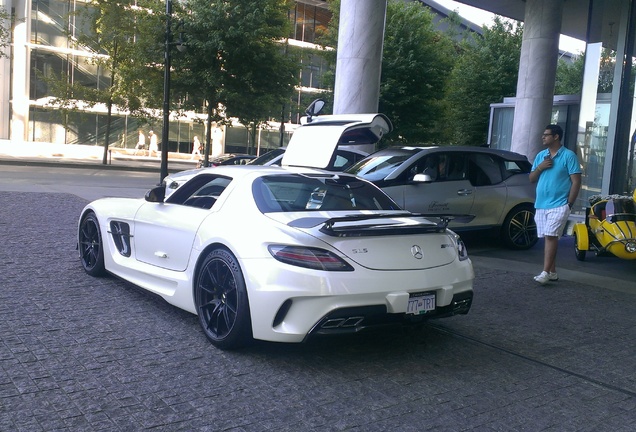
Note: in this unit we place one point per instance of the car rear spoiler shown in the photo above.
(337, 227)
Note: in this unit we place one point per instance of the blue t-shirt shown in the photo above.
(553, 187)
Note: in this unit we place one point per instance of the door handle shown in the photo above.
(464, 192)
(160, 254)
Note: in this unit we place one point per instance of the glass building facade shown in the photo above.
(599, 123)
(41, 49)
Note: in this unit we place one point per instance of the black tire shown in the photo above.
(90, 245)
(519, 230)
(221, 301)
(578, 253)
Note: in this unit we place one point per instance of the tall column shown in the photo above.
(5, 79)
(21, 72)
(537, 74)
(359, 61)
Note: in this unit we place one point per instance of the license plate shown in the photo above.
(421, 303)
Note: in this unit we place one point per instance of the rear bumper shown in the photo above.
(356, 319)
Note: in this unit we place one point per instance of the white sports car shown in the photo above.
(280, 254)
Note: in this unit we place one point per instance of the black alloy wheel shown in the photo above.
(519, 230)
(90, 246)
(221, 301)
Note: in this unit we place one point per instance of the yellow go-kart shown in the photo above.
(609, 228)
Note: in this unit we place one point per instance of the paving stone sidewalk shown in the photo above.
(85, 354)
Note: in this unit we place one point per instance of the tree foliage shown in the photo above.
(5, 31)
(123, 38)
(416, 62)
(485, 73)
(569, 76)
(236, 59)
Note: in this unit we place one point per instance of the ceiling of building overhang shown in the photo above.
(575, 15)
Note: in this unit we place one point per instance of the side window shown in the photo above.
(425, 165)
(201, 191)
(441, 167)
(456, 167)
(484, 170)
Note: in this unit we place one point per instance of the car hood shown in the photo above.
(313, 144)
(398, 241)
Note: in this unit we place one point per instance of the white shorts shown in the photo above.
(551, 222)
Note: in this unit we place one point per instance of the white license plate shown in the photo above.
(420, 303)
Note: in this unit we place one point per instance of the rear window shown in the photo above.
(289, 193)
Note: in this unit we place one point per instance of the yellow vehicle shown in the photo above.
(609, 228)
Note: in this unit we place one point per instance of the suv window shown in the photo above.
(440, 167)
(484, 170)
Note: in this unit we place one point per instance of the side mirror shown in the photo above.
(314, 109)
(422, 178)
(156, 194)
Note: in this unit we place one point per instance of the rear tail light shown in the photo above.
(307, 257)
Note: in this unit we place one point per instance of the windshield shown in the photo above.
(376, 167)
(620, 210)
(294, 192)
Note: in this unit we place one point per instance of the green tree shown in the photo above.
(236, 60)
(125, 36)
(486, 72)
(569, 76)
(5, 30)
(417, 60)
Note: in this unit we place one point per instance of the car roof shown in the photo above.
(506, 154)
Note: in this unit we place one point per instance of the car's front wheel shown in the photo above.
(221, 301)
(90, 246)
(579, 252)
(519, 230)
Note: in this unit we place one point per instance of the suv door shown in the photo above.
(485, 173)
(446, 189)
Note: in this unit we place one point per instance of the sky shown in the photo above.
(481, 17)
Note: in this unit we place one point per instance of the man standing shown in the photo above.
(557, 172)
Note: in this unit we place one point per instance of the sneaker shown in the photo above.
(553, 276)
(542, 278)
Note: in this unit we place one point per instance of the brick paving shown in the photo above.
(85, 354)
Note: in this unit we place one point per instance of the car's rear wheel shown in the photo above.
(519, 230)
(221, 301)
(578, 252)
(90, 246)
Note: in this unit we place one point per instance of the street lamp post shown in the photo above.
(166, 94)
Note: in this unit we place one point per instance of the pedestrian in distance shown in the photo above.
(154, 147)
(557, 173)
(197, 147)
(141, 143)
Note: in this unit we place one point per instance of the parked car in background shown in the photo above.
(227, 159)
(344, 158)
(282, 253)
(490, 184)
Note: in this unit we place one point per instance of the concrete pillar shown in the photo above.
(21, 72)
(359, 61)
(5, 79)
(537, 74)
